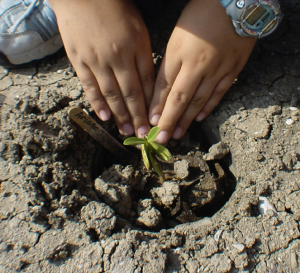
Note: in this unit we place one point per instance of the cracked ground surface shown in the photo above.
(52, 220)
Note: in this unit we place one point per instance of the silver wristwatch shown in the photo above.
(255, 18)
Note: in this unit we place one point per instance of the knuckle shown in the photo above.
(223, 86)
(89, 86)
(120, 46)
(219, 93)
(138, 119)
(220, 90)
(201, 58)
(92, 58)
(73, 52)
(176, 44)
(132, 94)
(137, 33)
(116, 48)
(111, 95)
(198, 100)
(148, 79)
(162, 83)
(122, 119)
(219, 96)
(178, 98)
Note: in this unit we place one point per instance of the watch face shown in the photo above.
(256, 16)
(259, 19)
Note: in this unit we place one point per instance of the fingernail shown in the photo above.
(154, 120)
(162, 137)
(200, 117)
(142, 131)
(127, 129)
(177, 133)
(104, 115)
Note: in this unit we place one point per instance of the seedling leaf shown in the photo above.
(155, 165)
(145, 155)
(153, 133)
(134, 141)
(161, 151)
(151, 151)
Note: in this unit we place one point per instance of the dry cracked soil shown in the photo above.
(231, 201)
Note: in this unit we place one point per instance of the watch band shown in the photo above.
(225, 3)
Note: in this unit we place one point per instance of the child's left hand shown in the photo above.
(203, 57)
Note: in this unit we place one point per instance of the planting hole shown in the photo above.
(193, 188)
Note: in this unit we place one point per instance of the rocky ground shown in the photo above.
(66, 205)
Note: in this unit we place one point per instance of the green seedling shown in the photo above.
(151, 151)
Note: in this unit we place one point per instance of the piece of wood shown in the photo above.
(97, 132)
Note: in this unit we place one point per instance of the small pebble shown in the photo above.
(22, 216)
(75, 94)
(290, 121)
(293, 108)
(265, 206)
(59, 71)
(239, 247)
(218, 235)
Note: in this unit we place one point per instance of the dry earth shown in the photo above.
(55, 216)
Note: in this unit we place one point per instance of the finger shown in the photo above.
(179, 98)
(200, 98)
(218, 93)
(168, 71)
(90, 86)
(209, 92)
(132, 93)
(145, 68)
(112, 94)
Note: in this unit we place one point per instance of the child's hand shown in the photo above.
(203, 57)
(109, 47)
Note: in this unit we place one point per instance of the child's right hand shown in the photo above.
(109, 47)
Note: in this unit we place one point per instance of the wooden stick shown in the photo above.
(97, 132)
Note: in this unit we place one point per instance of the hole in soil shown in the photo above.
(25, 248)
(254, 210)
(62, 253)
(13, 152)
(35, 149)
(10, 247)
(24, 265)
(8, 194)
(145, 201)
(93, 235)
(36, 110)
(289, 211)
